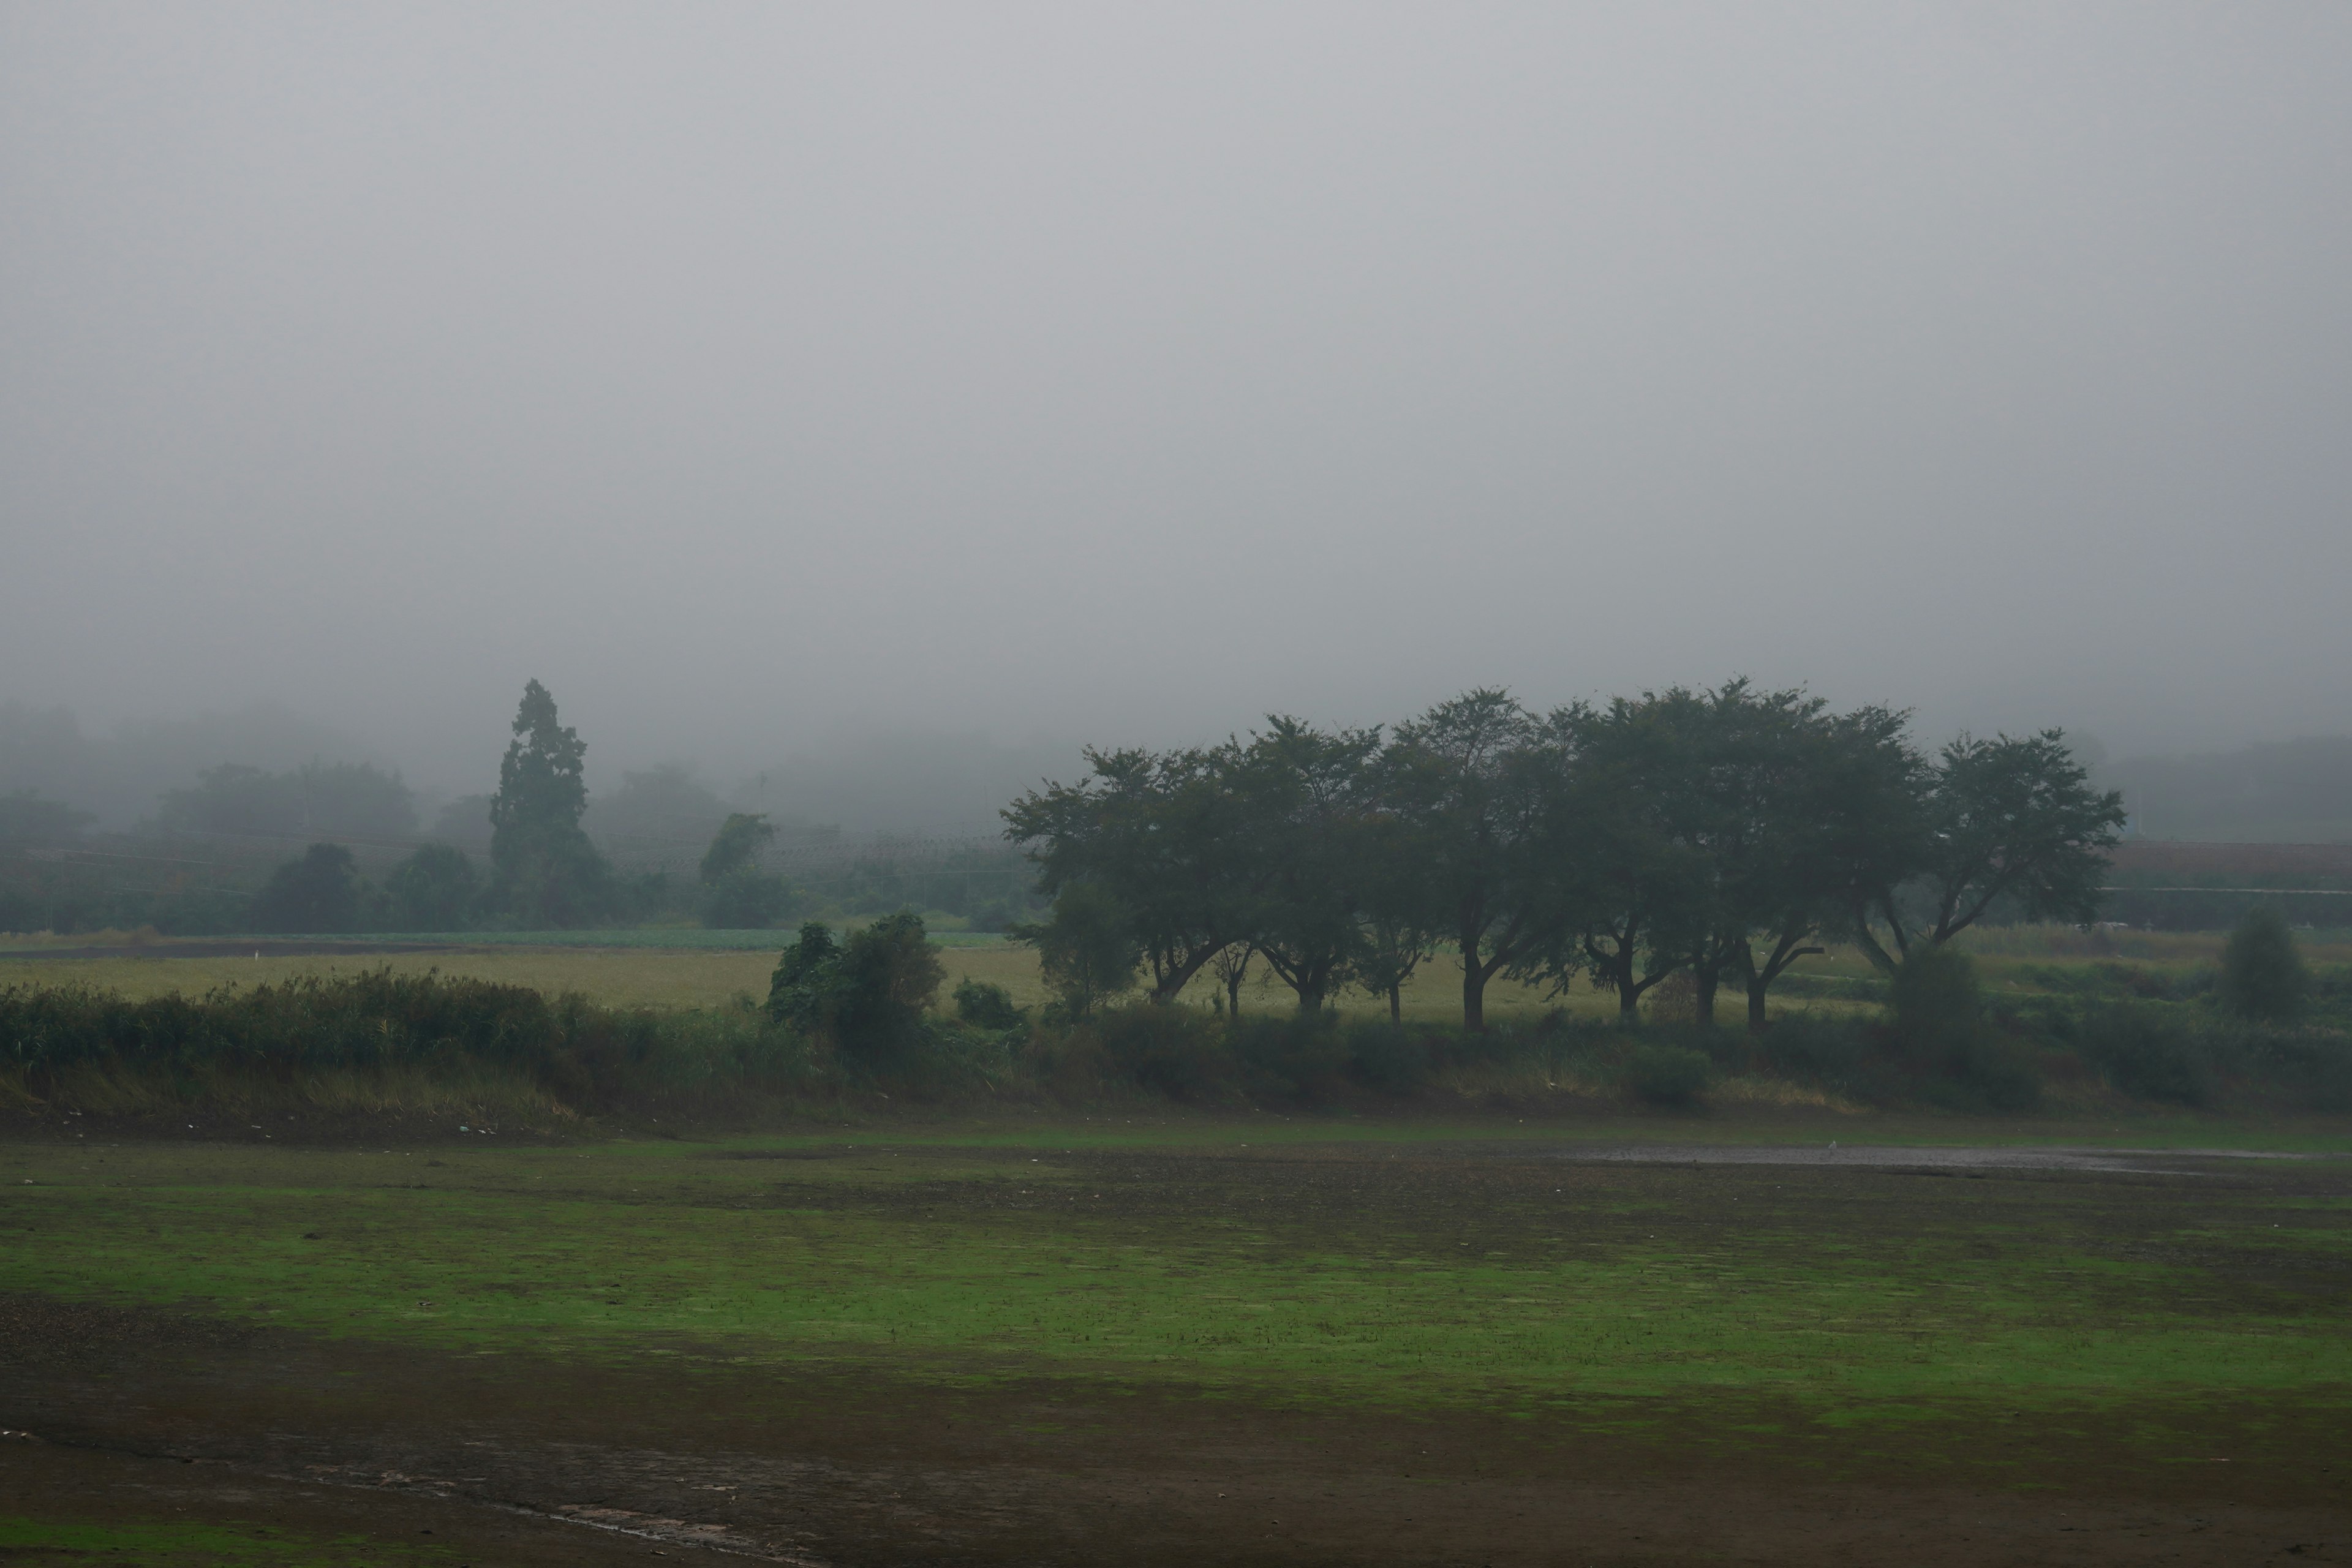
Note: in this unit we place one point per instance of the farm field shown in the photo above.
(1238, 1338)
(694, 975)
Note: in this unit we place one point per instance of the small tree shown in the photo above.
(988, 1006)
(1088, 950)
(432, 889)
(736, 845)
(867, 996)
(737, 895)
(318, 890)
(2262, 973)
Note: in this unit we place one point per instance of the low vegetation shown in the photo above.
(869, 1021)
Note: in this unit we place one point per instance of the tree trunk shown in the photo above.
(1757, 985)
(1703, 984)
(1396, 1002)
(1473, 991)
(1233, 990)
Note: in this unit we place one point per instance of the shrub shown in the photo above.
(1387, 1057)
(1939, 1009)
(434, 889)
(2151, 1052)
(1178, 1051)
(1291, 1056)
(1809, 1046)
(318, 890)
(866, 996)
(2263, 975)
(987, 1006)
(1659, 1074)
(746, 898)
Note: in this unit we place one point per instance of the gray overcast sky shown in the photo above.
(1120, 373)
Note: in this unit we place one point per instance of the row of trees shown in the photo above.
(1721, 833)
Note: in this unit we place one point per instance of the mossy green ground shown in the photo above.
(1316, 1263)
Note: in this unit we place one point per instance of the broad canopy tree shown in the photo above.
(2009, 821)
(1461, 798)
(1728, 833)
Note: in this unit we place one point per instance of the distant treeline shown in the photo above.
(519, 858)
(1716, 835)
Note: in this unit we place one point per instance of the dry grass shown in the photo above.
(687, 977)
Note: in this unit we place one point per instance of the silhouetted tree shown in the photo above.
(1165, 837)
(434, 889)
(1307, 809)
(2263, 975)
(1087, 949)
(318, 890)
(2006, 820)
(1454, 787)
(546, 870)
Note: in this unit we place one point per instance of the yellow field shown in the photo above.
(673, 977)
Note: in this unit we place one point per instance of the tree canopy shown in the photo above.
(1717, 834)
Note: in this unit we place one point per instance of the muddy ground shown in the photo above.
(526, 1459)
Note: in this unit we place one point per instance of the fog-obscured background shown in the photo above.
(865, 406)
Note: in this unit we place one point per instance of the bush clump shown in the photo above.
(867, 996)
(1659, 1074)
(2263, 975)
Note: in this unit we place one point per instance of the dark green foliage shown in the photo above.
(987, 1006)
(433, 890)
(1946, 1039)
(2011, 823)
(865, 997)
(547, 873)
(800, 993)
(1660, 1074)
(318, 890)
(590, 1058)
(1307, 802)
(1835, 1053)
(1939, 1008)
(746, 898)
(1180, 1052)
(1459, 806)
(2313, 1066)
(1088, 950)
(1299, 1057)
(2150, 1052)
(1387, 1057)
(2263, 975)
(357, 1020)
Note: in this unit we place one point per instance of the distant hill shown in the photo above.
(2289, 791)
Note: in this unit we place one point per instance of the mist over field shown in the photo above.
(886, 400)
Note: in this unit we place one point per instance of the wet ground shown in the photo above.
(529, 1456)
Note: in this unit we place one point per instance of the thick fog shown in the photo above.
(772, 381)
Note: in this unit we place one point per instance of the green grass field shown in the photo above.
(1120, 1296)
(1236, 1261)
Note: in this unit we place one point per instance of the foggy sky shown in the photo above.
(759, 374)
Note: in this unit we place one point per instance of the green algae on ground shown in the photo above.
(1390, 1271)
